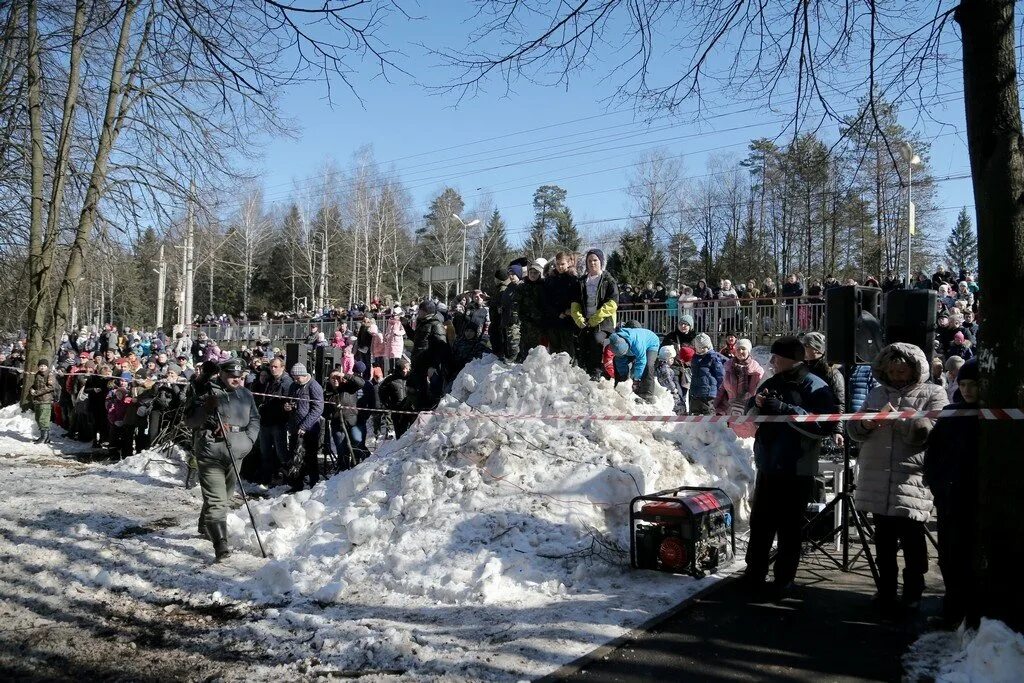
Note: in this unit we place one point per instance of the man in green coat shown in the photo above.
(42, 393)
(229, 403)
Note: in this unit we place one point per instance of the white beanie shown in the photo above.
(666, 353)
(702, 342)
(540, 264)
(744, 344)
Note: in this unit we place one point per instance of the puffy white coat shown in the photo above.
(890, 479)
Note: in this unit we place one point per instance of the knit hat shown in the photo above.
(127, 376)
(299, 370)
(516, 269)
(788, 347)
(702, 342)
(598, 253)
(686, 353)
(958, 337)
(428, 306)
(969, 370)
(666, 353)
(814, 340)
(539, 264)
(686, 318)
(744, 344)
(41, 362)
(358, 368)
(500, 275)
(619, 344)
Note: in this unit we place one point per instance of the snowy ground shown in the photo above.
(482, 548)
(992, 654)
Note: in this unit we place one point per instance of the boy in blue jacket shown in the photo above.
(636, 347)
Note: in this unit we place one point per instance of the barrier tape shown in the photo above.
(813, 418)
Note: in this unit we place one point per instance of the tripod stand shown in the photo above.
(848, 512)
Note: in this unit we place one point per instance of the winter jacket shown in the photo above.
(393, 392)
(238, 410)
(377, 347)
(792, 288)
(640, 341)
(44, 389)
(607, 304)
(394, 338)
(338, 340)
(117, 404)
(891, 480)
(272, 412)
(951, 458)
(739, 384)
(791, 448)
(833, 378)
(337, 399)
(703, 292)
(669, 379)
(707, 372)
(861, 383)
(430, 347)
(308, 402)
(530, 309)
(678, 339)
(479, 316)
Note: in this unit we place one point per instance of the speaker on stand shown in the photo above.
(853, 332)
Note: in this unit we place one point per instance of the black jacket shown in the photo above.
(343, 396)
(560, 290)
(951, 459)
(607, 290)
(272, 410)
(393, 392)
(430, 347)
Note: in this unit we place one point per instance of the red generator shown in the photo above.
(688, 530)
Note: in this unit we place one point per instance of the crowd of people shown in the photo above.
(129, 389)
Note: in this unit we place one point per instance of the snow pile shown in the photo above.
(992, 654)
(492, 510)
(18, 425)
(164, 465)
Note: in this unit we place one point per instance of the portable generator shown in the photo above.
(687, 530)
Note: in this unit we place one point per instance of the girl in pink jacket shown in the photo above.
(394, 338)
(742, 375)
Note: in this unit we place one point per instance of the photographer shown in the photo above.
(786, 454)
(226, 401)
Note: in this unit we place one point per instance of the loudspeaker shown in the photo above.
(853, 333)
(324, 360)
(910, 317)
(295, 352)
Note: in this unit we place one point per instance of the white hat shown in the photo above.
(539, 264)
(666, 353)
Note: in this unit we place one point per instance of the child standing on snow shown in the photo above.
(706, 376)
(669, 379)
(43, 390)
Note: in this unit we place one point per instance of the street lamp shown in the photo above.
(465, 231)
(912, 160)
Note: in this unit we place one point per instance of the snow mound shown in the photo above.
(163, 465)
(992, 654)
(17, 424)
(492, 510)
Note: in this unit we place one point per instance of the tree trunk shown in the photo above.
(996, 146)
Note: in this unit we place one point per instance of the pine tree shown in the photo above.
(638, 259)
(492, 254)
(962, 245)
(548, 207)
(567, 237)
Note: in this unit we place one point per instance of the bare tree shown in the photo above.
(251, 232)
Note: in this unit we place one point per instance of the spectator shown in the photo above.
(636, 356)
(729, 350)
(345, 439)
(952, 367)
(682, 335)
(707, 373)
(431, 356)
(394, 396)
(560, 290)
(43, 393)
(271, 392)
(668, 378)
(594, 311)
(960, 346)
(305, 406)
(740, 379)
(530, 304)
(509, 313)
(890, 482)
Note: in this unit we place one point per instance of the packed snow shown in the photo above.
(477, 546)
(994, 653)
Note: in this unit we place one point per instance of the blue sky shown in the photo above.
(502, 146)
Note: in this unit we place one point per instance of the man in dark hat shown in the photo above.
(225, 425)
(786, 454)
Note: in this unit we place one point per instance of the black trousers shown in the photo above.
(891, 533)
(592, 341)
(780, 504)
(310, 459)
(957, 541)
(562, 339)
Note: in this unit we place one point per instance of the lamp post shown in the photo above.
(912, 160)
(465, 231)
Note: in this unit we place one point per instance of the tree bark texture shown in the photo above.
(996, 148)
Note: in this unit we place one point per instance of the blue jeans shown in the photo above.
(339, 444)
(273, 450)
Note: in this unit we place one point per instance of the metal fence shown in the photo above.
(756, 319)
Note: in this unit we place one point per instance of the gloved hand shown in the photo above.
(775, 406)
(594, 320)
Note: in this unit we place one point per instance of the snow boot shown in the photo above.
(218, 533)
(41, 437)
(46, 436)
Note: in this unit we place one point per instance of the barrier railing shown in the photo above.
(751, 318)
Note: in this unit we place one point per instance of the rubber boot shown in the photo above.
(41, 437)
(202, 528)
(218, 533)
(46, 436)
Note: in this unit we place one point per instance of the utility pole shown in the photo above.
(161, 287)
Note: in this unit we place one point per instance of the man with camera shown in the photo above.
(225, 424)
(786, 454)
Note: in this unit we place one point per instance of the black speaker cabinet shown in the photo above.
(853, 332)
(324, 360)
(910, 317)
(295, 352)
